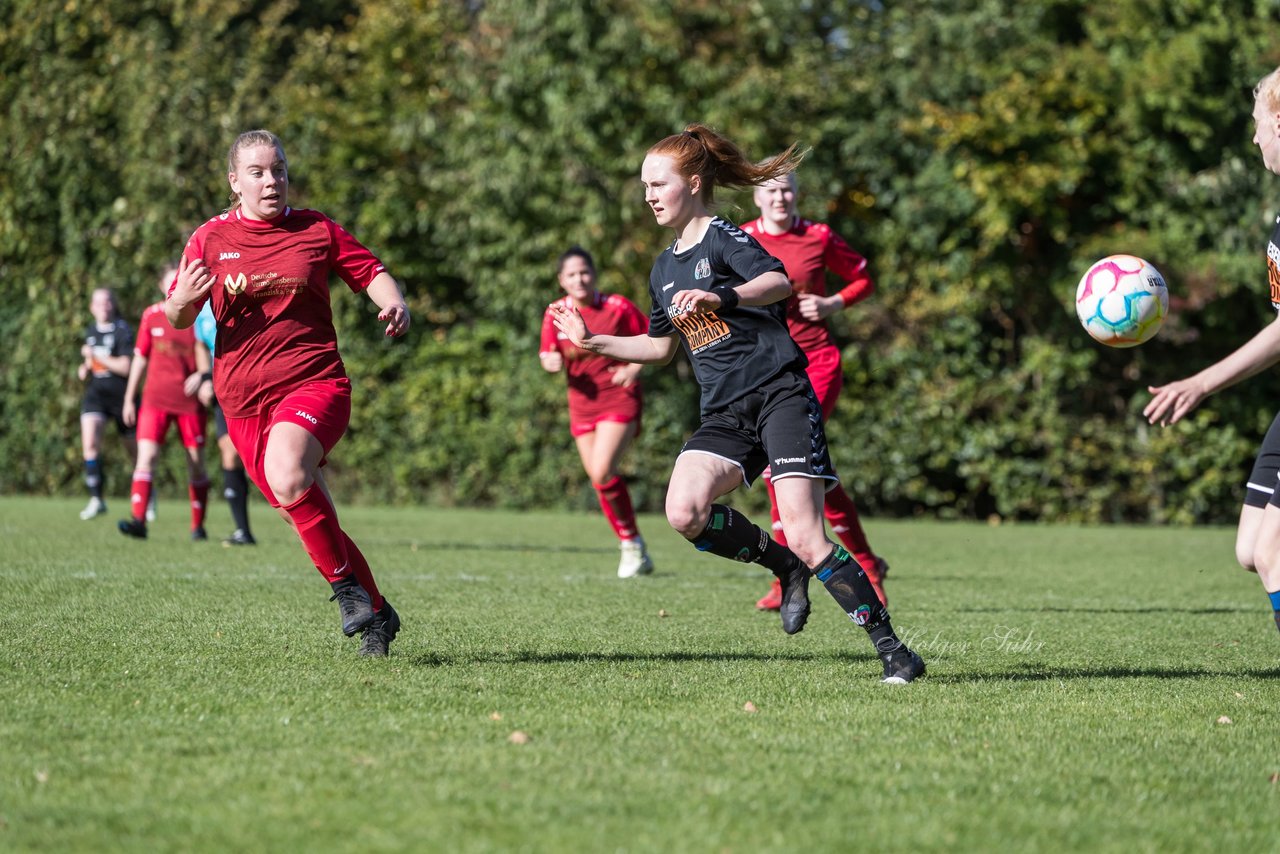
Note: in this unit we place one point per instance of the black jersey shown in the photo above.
(735, 352)
(1273, 264)
(116, 340)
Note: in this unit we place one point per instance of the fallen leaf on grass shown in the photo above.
(518, 737)
(1224, 720)
(1275, 778)
(663, 613)
(42, 776)
(749, 707)
(495, 716)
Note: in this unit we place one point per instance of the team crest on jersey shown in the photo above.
(703, 269)
(235, 284)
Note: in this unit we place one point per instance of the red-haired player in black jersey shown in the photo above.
(723, 297)
(1258, 534)
(277, 374)
(808, 250)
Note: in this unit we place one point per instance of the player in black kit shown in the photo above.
(720, 294)
(105, 358)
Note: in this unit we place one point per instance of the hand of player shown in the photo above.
(1169, 403)
(815, 308)
(551, 362)
(624, 375)
(695, 302)
(205, 394)
(396, 316)
(129, 413)
(82, 371)
(193, 283)
(569, 321)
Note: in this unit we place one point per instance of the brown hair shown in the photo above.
(249, 139)
(575, 252)
(700, 151)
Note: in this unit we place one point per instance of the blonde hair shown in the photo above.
(1269, 89)
(699, 150)
(249, 139)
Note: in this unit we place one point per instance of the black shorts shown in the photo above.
(778, 426)
(219, 422)
(107, 404)
(1260, 490)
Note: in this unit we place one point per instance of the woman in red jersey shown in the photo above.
(604, 397)
(808, 250)
(167, 357)
(277, 373)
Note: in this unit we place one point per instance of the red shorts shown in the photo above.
(826, 377)
(621, 408)
(153, 426)
(322, 408)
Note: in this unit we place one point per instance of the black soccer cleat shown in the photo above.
(795, 597)
(199, 535)
(240, 537)
(354, 605)
(901, 666)
(379, 634)
(135, 528)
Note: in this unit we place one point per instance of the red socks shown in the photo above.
(615, 501)
(330, 549)
(140, 495)
(199, 493)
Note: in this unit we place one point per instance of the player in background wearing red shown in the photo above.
(808, 250)
(167, 357)
(105, 356)
(605, 398)
(718, 294)
(1258, 534)
(277, 373)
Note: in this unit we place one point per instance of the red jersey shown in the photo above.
(808, 250)
(271, 302)
(171, 358)
(591, 375)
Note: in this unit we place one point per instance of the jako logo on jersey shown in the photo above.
(223, 256)
(308, 416)
(702, 270)
(235, 285)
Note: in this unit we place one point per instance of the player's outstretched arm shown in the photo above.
(190, 288)
(384, 290)
(626, 348)
(1169, 403)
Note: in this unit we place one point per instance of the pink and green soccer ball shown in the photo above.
(1122, 300)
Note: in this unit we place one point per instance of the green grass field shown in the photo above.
(165, 695)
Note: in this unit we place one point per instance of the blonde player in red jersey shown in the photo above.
(167, 357)
(277, 372)
(808, 250)
(605, 398)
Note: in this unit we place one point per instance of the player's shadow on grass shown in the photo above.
(435, 659)
(1032, 672)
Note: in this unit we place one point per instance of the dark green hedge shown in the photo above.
(470, 143)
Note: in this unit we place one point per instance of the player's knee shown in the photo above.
(286, 479)
(686, 518)
(1245, 556)
(601, 475)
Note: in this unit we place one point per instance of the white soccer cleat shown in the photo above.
(95, 507)
(635, 559)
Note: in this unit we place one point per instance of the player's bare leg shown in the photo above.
(1266, 557)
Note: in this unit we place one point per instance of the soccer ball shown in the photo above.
(1122, 300)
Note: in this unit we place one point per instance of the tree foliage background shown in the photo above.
(980, 153)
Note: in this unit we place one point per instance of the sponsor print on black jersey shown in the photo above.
(1273, 265)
